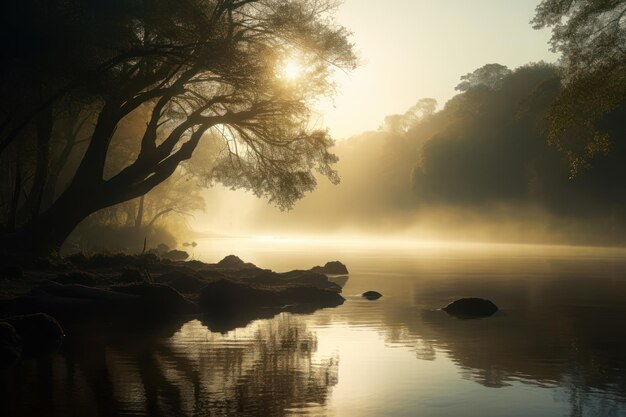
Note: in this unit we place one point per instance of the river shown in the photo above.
(557, 347)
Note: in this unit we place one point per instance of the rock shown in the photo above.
(78, 277)
(130, 275)
(186, 282)
(234, 262)
(471, 308)
(68, 303)
(176, 255)
(162, 248)
(10, 346)
(227, 305)
(224, 296)
(158, 298)
(39, 333)
(309, 279)
(317, 297)
(371, 295)
(340, 280)
(10, 272)
(332, 268)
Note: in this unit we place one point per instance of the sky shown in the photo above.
(411, 49)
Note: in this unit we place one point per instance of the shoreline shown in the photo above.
(145, 292)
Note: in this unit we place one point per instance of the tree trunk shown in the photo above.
(46, 234)
(32, 206)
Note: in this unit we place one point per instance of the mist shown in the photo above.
(478, 169)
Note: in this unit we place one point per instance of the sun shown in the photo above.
(292, 70)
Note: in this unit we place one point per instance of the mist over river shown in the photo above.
(557, 347)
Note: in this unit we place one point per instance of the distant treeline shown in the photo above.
(486, 155)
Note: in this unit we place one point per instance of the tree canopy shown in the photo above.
(591, 37)
(195, 69)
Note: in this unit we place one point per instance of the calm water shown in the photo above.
(557, 348)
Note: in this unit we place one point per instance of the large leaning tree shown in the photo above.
(243, 71)
(590, 35)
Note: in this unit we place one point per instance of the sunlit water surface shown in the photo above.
(557, 348)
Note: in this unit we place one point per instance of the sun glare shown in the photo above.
(292, 70)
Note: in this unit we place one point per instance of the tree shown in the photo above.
(401, 123)
(490, 76)
(196, 69)
(591, 37)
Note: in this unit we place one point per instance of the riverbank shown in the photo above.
(145, 292)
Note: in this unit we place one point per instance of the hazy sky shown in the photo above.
(412, 49)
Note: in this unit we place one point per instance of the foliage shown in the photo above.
(490, 76)
(187, 72)
(591, 37)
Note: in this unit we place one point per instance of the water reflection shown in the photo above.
(556, 348)
(266, 369)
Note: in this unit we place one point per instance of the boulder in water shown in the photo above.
(371, 295)
(471, 308)
(332, 268)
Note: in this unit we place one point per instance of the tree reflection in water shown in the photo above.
(269, 368)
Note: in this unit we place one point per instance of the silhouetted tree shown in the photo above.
(591, 36)
(193, 68)
(490, 76)
(401, 123)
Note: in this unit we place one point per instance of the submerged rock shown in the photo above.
(39, 333)
(333, 268)
(371, 295)
(471, 308)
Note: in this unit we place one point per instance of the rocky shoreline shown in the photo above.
(146, 292)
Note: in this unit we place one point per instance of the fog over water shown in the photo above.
(479, 169)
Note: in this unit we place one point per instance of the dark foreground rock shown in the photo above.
(226, 305)
(471, 308)
(227, 296)
(371, 295)
(105, 292)
(160, 298)
(333, 268)
(38, 333)
(74, 302)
